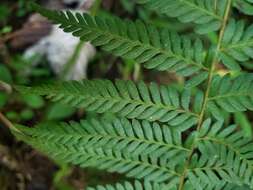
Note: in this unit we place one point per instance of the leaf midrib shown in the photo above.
(230, 95)
(121, 99)
(130, 139)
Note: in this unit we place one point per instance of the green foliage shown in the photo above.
(155, 48)
(230, 95)
(4, 13)
(128, 186)
(237, 44)
(33, 101)
(245, 6)
(125, 99)
(5, 74)
(165, 137)
(226, 155)
(243, 121)
(24, 7)
(119, 145)
(206, 14)
(58, 111)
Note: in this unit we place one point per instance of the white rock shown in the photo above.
(58, 48)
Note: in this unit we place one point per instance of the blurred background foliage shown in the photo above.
(22, 168)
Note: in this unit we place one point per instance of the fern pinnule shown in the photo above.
(230, 147)
(245, 6)
(237, 44)
(205, 14)
(226, 156)
(231, 95)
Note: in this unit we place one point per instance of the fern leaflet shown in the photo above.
(245, 6)
(138, 149)
(205, 14)
(230, 150)
(231, 95)
(126, 99)
(128, 186)
(237, 44)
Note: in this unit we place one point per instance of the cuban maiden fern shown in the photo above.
(162, 137)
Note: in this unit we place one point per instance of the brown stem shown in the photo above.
(5, 121)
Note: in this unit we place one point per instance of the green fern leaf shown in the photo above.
(223, 186)
(228, 152)
(220, 186)
(155, 48)
(128, 186)
(126, 99)
(152, 139)
(245, 6)
(237, 45)
(231, 95)
(137, 149)
(206, 14)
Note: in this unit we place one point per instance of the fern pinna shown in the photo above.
(163, 137)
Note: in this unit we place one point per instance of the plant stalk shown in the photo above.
(209, 82)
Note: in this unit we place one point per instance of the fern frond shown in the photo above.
(228, 152)
(155, 48)
(210, 173)
(234, 187)
(205, 14)
(128, 186)
(237, 44)
(137, 149)
(245, 6)
(126, 99)
(221, 186)
(208, 170)
(231, 95)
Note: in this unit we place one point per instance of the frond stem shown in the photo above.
(7, 123)
(210, 77)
